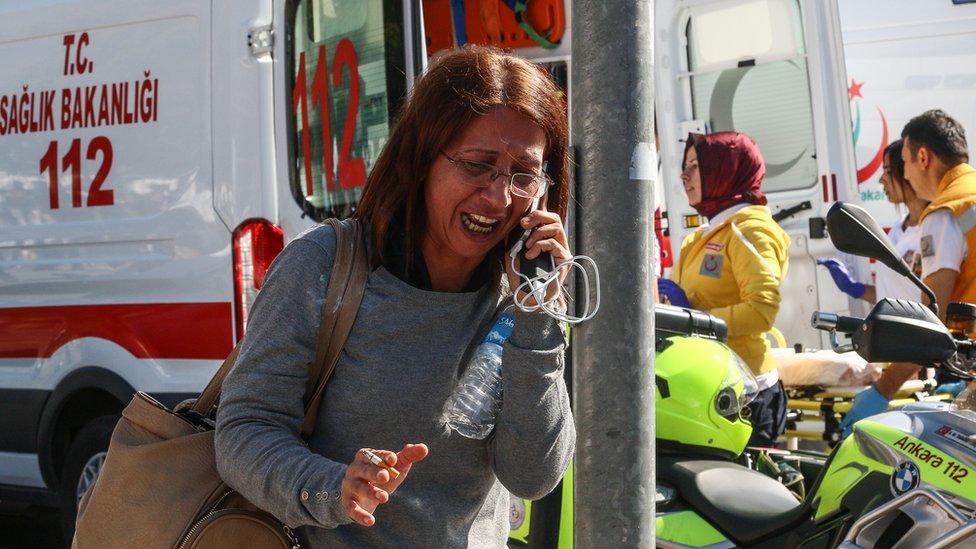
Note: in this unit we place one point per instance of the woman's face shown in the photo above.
(466, 221)
(691, 177)
(892, 188)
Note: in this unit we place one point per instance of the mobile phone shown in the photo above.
(542, 264)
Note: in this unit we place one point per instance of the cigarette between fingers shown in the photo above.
(379, 462)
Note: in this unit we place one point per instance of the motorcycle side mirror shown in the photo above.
(854, 231)
(903, 331)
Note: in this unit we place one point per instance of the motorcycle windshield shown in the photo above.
(740, 376)
(966, 401)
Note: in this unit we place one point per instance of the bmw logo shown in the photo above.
(905, 478)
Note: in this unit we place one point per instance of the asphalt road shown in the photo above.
(33, 528)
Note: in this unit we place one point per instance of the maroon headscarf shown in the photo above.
(731, 168)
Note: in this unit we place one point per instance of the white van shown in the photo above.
(154, 158)
(823, 87)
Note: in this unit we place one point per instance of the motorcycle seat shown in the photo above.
(744, 504)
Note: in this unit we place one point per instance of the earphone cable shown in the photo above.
(536, 288)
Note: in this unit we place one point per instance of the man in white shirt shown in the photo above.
(935, 153)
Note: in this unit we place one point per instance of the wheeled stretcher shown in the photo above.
(825, 407)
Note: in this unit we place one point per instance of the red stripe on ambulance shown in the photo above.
(147, 330)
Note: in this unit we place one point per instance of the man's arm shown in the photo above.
(941, 283)
(894, 376)
(943, 248)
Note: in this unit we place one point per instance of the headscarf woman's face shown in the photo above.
(691, 177)
(463, 220)
(722, 170)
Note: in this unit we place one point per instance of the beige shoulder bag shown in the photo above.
(159, 486)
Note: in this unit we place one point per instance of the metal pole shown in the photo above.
(613, 112)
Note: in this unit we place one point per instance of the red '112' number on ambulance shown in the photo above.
(71, 162)
(351, 171)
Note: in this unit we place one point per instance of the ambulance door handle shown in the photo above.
(792, 210)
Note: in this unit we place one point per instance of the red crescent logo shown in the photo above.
(864, 173)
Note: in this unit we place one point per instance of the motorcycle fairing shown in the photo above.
(952, 473)
(882, 443)
(687, 528)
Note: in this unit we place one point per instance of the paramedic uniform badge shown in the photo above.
(711, 265)
(926, 246)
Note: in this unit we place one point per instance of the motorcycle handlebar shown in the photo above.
(966, 349)
(962, 366)
(830, 322)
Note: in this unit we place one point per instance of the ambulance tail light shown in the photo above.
(256, 243)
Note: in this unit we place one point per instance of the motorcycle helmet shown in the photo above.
(702, 389)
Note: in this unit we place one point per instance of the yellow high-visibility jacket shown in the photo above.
(733, 270)
(957, 193)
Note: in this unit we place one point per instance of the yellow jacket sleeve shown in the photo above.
(759, 255)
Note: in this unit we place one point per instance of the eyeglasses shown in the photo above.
(481, 174)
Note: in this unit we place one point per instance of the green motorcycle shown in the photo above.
(904, 478)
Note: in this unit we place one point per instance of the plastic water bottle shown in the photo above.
(472, 409)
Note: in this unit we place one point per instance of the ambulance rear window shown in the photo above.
(346, 80)
(748, 73)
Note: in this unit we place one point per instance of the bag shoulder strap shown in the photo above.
(346, 287)
(208, 398)
(347, 283)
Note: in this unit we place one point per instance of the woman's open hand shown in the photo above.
(548, 237)
(366, 486)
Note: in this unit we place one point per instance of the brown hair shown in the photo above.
(459, 86)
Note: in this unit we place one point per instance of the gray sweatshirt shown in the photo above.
(399, 366)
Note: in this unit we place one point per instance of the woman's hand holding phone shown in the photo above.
(547, 236)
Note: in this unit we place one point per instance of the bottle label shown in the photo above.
(501, 329)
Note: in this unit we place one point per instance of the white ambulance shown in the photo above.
(154, 158)
(823, 87)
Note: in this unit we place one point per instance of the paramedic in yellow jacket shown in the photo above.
(936, 164)
(733, 267)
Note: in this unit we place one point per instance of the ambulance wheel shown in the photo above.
(81, 467)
